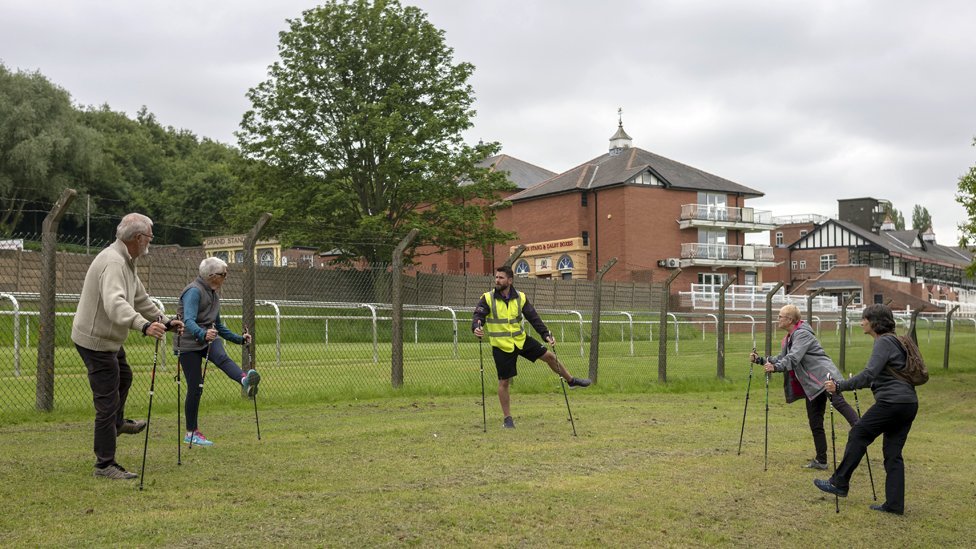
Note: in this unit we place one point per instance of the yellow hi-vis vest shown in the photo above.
(504, 322)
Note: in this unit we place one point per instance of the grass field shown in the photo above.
(648, 469)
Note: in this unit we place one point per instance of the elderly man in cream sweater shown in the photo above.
(114, 301)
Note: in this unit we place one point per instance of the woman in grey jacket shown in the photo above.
(894, 410)
(807, 366)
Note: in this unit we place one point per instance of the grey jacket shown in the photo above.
(804, 356)
(886, 387)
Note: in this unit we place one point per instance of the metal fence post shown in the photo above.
(810, 299)
(945, 357)
(595, 319)
(44, 395)
(720, 328)
(911, 327)
(247, 305)
(396, 367)
(769, 318)
(843, 332)
(662, 340)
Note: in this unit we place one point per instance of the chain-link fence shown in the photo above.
(326, 334)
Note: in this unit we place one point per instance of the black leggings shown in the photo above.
(192, 364)
(815, 415)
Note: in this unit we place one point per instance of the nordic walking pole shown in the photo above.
(748, 385)
(481, 359)
(179, 419)
(152, 388)
(833, 445)
(766, 449)
(206, 360)
(562, 382)
(857, 406)
(250, 364)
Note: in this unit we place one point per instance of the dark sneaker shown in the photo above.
(580, 382)
(509, 423)
(249, 383)
(828, 487)
(884, 509)
(131, 427)
(814, 464)
(114, 472)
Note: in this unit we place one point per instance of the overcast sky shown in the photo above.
(806, 101)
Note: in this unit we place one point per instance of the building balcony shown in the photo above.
(725, 255)
(737, 219)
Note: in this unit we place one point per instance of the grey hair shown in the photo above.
(132, 225)
(211, 266)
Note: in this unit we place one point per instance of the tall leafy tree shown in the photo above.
(360, 122)
(43, 146)
(896, 217)
(967, 197)
(921, 218)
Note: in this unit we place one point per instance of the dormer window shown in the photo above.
(645, 178)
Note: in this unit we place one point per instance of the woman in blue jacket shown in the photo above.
(200, 309)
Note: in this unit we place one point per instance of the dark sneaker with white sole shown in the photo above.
(114, 472)
(131, 427)
(814, 464)
(509, 423)
(580, 382)
(829, 487)
(249, 383)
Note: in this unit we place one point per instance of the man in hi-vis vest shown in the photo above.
(499, 314)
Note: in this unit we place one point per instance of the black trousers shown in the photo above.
(894, 421)
(815, 415)
(110, 377)
(192, 362)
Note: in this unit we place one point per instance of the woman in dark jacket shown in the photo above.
(894, 410)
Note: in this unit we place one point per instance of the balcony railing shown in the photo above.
(706, 296)
(726, 252)
(711, 212)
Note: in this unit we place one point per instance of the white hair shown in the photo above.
(132, 225)
(211, 266)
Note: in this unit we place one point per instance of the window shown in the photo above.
(522, 268)
(223, 256)
(715, 205)
(306, 261)
(644, 178)
(803, 232)
(827, 262)
(803, 264)
(266, 257)
(711, 279)
(565, 263)
(584, 198)
(586, 238)
(239, 256)
(779, 238)
(793, 264)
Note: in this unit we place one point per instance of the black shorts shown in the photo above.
(505, 362)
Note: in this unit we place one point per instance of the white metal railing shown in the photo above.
(752, 298)
(712, 212)
(726, 252)
(802, 218)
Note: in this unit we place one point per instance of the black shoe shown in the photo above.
(509, 423)
(580, 382)
(114, 472)
(884, 509)
(131, 427)
(828, 487)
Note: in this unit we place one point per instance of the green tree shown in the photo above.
(967, 197)
(43, 147)
(921, 218)
(360, 122)
(896, 217)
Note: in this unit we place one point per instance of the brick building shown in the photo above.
(861, 254)
(652, 213)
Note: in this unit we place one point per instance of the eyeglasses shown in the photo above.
(149, 236)
(221, 275)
